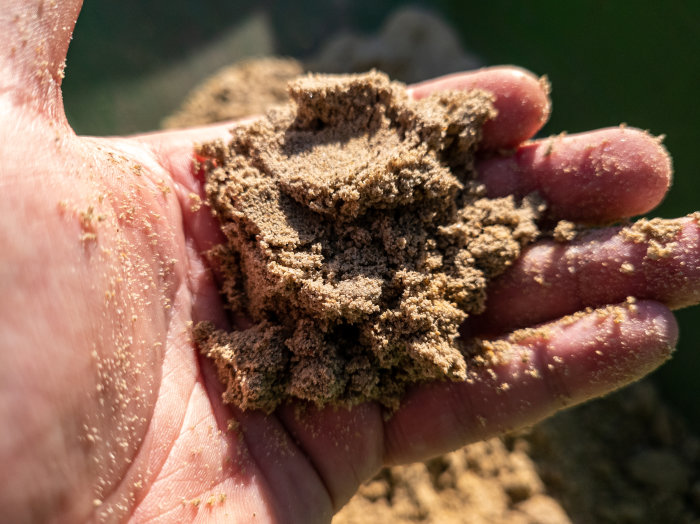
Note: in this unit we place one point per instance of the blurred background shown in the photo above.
(131, 63)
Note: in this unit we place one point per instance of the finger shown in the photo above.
(657, 260)
(532, 374)
(521, 99)
(597, 177)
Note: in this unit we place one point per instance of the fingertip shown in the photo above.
(645, 328)
(521, 100)
(625, 172)
(594, 177)
(659, 319)
(523, 105)
(609, 348)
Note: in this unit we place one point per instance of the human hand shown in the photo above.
(109, 412)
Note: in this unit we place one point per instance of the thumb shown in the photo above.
(32, 57)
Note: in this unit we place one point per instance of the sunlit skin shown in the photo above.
(107, 410)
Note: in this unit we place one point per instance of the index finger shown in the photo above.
(521, 99)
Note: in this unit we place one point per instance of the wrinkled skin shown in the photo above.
(108, 412)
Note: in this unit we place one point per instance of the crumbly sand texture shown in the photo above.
(358, 241)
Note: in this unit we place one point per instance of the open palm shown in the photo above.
(110, 414)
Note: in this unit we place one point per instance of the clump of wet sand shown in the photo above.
(358, 241)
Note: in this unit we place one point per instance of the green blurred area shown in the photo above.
(131, 62)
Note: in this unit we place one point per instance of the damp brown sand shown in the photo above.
(357, 242)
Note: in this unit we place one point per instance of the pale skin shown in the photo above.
(108, 412)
